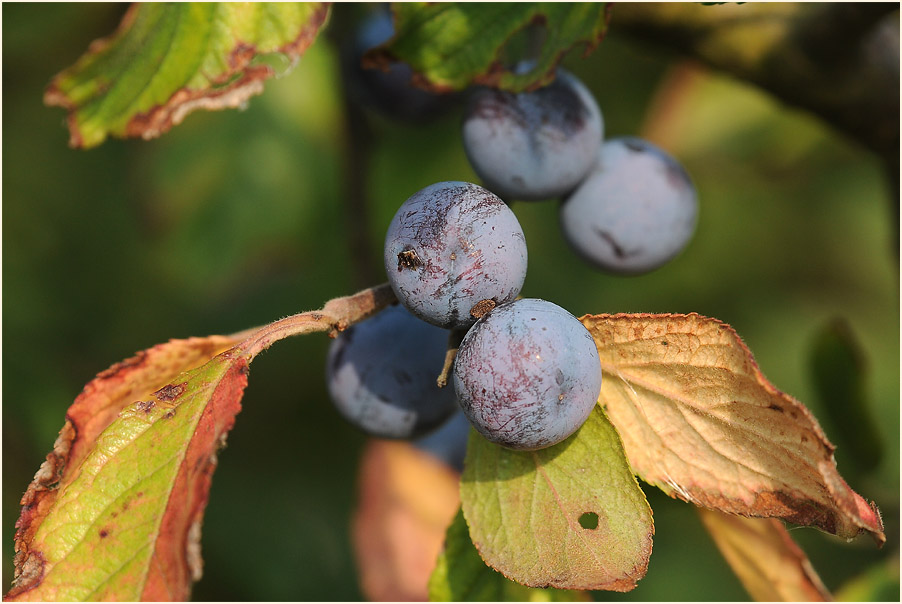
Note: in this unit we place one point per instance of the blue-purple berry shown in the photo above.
(448, 442)
(527, 374)
(453, 246)
(636, 211)
(390, 92)
(533, 145)
(381, 374)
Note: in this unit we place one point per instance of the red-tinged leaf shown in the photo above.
(168, 59)
(770, 565)
(121, 524)
(700, 421)
(407, 500)
(96, 407)
(115, 512)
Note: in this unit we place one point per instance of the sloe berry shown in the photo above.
(636, 210)
(451, 246)
(381, 375)
(527, 374)
(533, 145)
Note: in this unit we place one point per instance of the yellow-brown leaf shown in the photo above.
(407, 500)
(700, 421)
(770, 565)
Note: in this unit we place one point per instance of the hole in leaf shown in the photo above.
(589, 520)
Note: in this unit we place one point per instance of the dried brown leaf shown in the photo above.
(699, 420)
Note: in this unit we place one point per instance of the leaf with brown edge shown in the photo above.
(119, 522)
(94, 409)
(700, 421)
(452, 45)
(166, 60)
(115, 512)
(407, 500)
(768, 563)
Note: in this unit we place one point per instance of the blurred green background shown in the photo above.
(237, 218)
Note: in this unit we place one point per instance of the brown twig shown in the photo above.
(356, 149)
(337, 315)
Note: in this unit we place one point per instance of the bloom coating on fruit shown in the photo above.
(636, 210)
(381, 375)
(527, 375)
(533, 145)
(449, 247)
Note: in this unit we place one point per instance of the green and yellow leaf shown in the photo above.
(570, 516)
(168, 59)
(451, 45)
(108, 515)
(462, 576)
(115, 512)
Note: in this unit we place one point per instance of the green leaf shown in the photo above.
(451, 45)
(570, 516)
(878, 583)
(168, 59)
(461, 576)
(839, 372)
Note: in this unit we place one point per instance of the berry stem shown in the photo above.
(454, 339)
(337, 315)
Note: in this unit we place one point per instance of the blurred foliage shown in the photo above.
(839, 375)
(234, 219)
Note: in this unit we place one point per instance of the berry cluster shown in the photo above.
(526, 373)
(628, 207)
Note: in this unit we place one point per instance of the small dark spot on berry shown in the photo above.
(482, 307)
(634, 144)
(409, 259)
